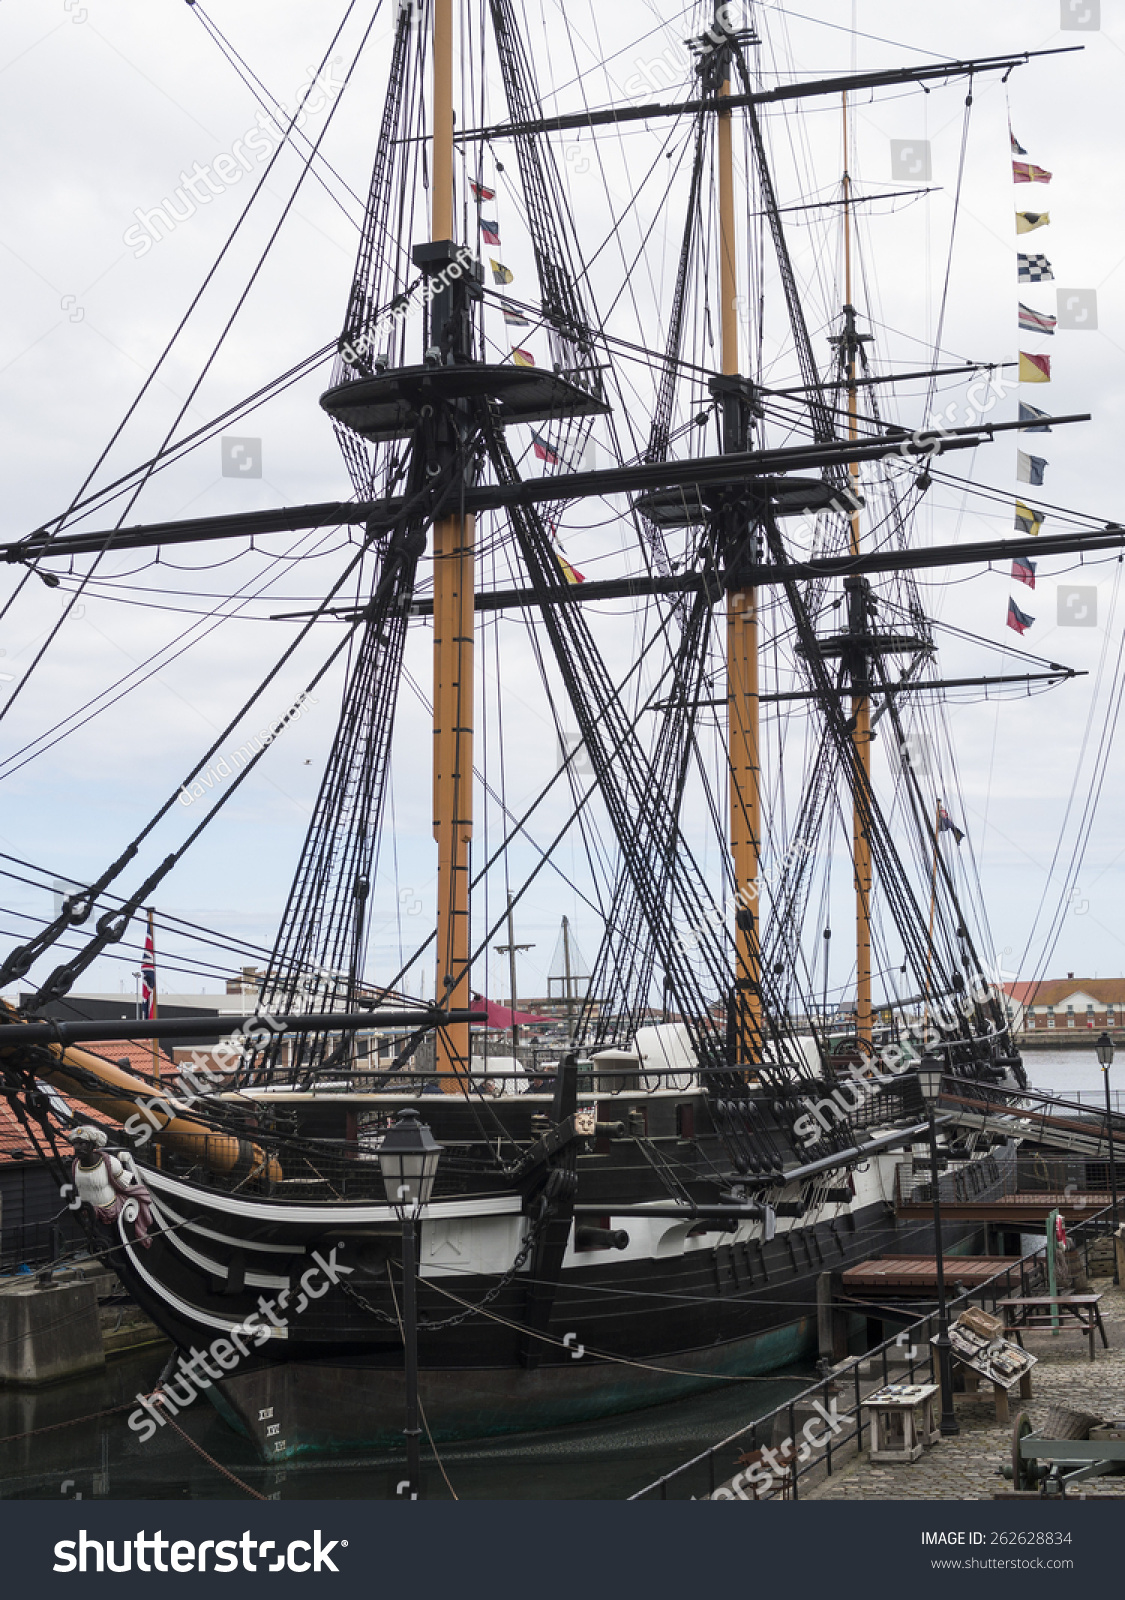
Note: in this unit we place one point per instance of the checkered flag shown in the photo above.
(1035, 269)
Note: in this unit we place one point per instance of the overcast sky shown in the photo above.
(105, 103)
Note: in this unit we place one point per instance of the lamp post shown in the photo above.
(408, 1158)
(930, 1071)
(1104, 1048)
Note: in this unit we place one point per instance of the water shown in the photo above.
(1071, 1072)
(104, 1459)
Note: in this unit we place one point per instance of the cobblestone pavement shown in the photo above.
(965, 1467)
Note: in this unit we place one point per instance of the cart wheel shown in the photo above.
(1021, 1470)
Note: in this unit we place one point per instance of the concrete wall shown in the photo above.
(48, 1333)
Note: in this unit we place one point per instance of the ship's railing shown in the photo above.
(1027, 1173)
(907, 1358)
(898, 1102)
(591, 1079)
(1094, 1099)
(321, 1170)
(979, 1179)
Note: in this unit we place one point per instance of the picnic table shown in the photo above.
(1022, 1312)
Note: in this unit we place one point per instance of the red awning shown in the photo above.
(503, 1016)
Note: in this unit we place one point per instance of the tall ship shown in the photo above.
(601, 465)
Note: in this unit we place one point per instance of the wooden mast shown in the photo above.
(742, 653)
(861, 703)
(453, 653)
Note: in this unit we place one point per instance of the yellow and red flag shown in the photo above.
(1034, 369)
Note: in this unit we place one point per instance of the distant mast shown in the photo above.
(857, 589)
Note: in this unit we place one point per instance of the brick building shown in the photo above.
(1067, 1003)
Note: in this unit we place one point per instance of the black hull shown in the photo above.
(620, 1335)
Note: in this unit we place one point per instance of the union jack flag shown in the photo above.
(148, 977)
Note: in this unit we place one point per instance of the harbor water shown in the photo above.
(102, 1458)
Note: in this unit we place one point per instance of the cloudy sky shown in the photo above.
(106, 103)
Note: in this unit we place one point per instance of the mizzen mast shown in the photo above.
(857, 613)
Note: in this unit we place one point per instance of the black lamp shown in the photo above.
(408, 1158)
(1104, 1047)
(931, 1070)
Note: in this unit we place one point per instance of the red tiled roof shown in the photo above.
(14, 1142)
(1022, 993)
(1056, 991)
(136, 1055)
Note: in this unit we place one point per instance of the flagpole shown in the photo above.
(152, 1007)
(933, 903)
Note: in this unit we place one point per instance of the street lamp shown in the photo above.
(1104, 1048)
(408, 1158)
(930, 1072)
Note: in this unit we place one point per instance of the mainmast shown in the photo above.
(857, 592)
(742, 624)
(453, 651)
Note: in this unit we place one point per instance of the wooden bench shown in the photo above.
(1038, 1311)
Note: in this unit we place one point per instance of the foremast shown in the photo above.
(453, 557)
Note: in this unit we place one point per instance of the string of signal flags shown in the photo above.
(1074, 310)
(514, 318)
